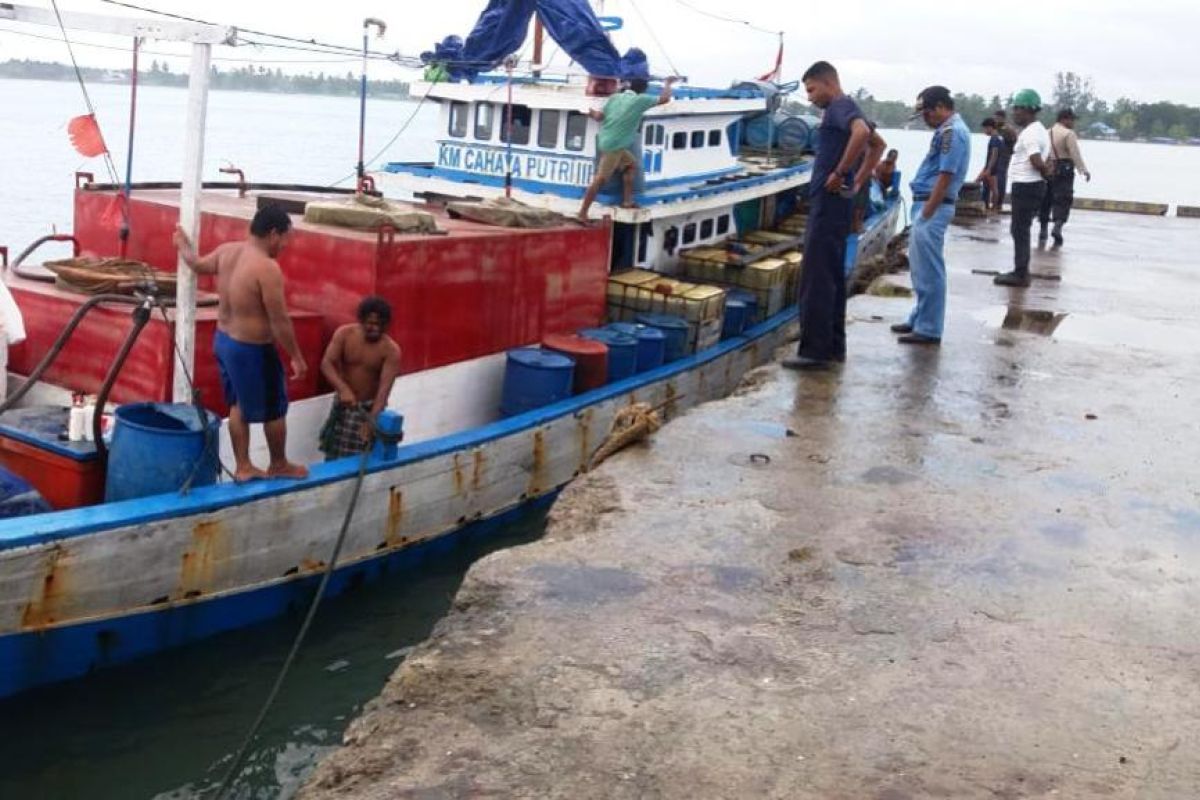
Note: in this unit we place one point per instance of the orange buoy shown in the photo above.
(591, 358)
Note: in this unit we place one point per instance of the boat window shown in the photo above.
(521, 121)
(706, 229)
(679, 141)
(697, 139)
(485, 114)
(576, 130)
(660, 135)
(548, 129)
(458, 119)
(722, 225)
(714, 138)
(689, 233)
(648, 138)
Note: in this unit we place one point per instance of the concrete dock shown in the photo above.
(965, 572)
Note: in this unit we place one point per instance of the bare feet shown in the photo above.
(248, 473)
(288, 470)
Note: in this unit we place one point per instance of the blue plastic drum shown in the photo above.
(651, 344)
(622, 351)
(750, 300)
(735, 319)
(159, 448)
(534, 378)
(675, 329)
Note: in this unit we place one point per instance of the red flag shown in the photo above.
(774, 74)
(86, 137)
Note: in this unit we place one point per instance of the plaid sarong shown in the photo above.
(342, 433)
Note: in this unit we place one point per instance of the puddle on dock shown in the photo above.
(1104, 330)
(165, 727)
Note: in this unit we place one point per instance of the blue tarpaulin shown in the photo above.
(504, 25)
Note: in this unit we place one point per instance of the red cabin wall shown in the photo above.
(477, 291)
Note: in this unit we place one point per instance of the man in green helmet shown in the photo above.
(1027, 172)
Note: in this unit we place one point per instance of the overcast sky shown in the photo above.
(1144, 50)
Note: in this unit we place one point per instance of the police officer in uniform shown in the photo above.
(848, 150)
(934, 190)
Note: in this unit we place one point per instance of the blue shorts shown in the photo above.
(252, 378)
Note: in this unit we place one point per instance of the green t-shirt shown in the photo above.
(622, 116)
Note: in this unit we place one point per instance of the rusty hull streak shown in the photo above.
(198, 569)
(669, 409)
(460, 479)
(478, 468)
(395, 518)
(585, 437)
(537, 474)
(51, 593)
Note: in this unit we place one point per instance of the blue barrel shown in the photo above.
(622, 351)
(735, 319)
(651, 344)
(749, 300)
(792, 134)
(675, 329)
(534, 378)
(158, 448)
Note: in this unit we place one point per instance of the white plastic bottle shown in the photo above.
(75, 419)
(89, 418)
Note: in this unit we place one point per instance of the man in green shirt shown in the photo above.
(621, 118)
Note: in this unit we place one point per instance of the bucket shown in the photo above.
(157, 447)
(622, 351)
(735, 319)
(534, 378)
(651, 344)
(675, 329)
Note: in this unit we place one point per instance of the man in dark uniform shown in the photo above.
(1008, 138)
(840, 171)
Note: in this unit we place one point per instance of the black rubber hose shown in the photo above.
(53, 237)
(141, 315)
(60, 343)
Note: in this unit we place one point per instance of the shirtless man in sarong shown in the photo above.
(252, 321)
(361, 363)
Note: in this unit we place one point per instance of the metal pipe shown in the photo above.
(381, 26)
(60, 343)
(141, 315)
(133, 95)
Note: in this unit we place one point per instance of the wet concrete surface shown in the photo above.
(965, 572)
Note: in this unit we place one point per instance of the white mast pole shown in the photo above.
(189, 218)
(202, 37)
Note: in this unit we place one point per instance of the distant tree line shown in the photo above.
(247, 78)
(1127, 118)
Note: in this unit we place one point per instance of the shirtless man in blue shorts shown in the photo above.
(252, 319)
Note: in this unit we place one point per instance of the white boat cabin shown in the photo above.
(692, 177)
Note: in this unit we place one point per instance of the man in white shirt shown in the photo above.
(1027, 172)
(1065, 161)
(12, 331)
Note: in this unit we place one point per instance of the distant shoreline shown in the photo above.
(374, 94)
(244, 79)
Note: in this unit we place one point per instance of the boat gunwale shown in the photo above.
(71, 523)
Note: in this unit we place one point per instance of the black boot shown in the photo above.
(1042, 235)
(1057, 234)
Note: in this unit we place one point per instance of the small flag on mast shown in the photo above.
(86, 137)
(776, 73)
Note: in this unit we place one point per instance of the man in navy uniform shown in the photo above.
(934, 191)
(840, 171)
